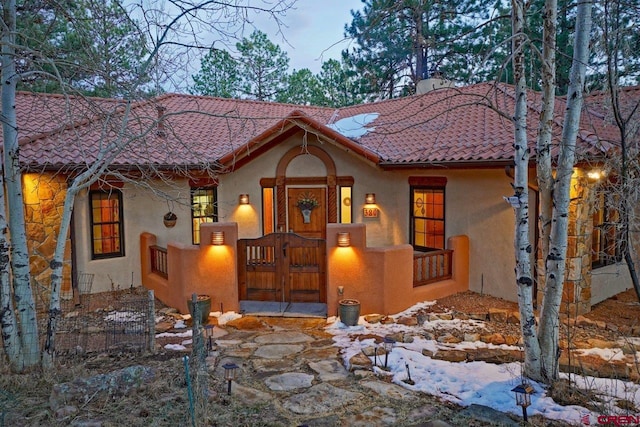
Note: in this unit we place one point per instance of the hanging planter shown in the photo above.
(307, 202)
(169, 219)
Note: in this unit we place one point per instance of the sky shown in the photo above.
(316, 31)
(468, 383)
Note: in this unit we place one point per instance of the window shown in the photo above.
(268, 211)
(203, 209)
(605, 247)
(107, 227)
(427, 213)
(346, 207)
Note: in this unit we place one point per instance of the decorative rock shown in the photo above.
(489, 415)
(247, 323)
(359, 361)
(388, 390)
(387, 320)
(283, 338)
(449, 339)
(117, 383)
(478, 316)
(512, 339)
(71, 315)
(319, 399)
(596, 343)
(496, 339)
(408, 321)
(397, 337)
(514, 317)
(289, 381)
(436, 423)
(278, 351)
(450, 355)
(163, 327)
(374, 318)
(471, 337)
(428, 336)
(373, 350)
(329, 370)
(248, 395)
(498, 315)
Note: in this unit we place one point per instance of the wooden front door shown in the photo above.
(282, 267)
(313, 224)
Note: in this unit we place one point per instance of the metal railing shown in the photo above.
(433, 266)
(159, 261)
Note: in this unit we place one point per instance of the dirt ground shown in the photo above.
(24, 398)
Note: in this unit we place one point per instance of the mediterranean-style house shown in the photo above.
(389, 203)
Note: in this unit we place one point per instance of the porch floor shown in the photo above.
(283, 309)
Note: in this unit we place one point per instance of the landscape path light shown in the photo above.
(523, 397)
(229, 374)
(388, 346)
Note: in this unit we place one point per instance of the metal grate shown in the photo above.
(127, 326)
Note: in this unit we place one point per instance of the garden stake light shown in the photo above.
(523, 397)
(388, 346)
(229, 374)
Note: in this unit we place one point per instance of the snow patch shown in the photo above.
(354, 126)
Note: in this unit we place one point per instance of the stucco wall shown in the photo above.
(143, 212)
(609, 281)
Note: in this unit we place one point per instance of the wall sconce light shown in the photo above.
(244, 199)
(370, 199)
(595, 175)
(229, 374)
(217, 238)
(344, 239)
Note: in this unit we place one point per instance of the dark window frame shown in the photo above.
(435, 186)
(194, 217)
(114, 192)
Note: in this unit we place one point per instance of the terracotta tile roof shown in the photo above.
(454, 126)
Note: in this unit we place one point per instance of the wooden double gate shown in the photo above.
(282, 267)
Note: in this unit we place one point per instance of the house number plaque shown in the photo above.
(371, 212)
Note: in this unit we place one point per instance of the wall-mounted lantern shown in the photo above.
(370, 199)
(344, 239)
(243, 199)
(217, 238)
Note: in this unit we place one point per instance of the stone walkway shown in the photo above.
(293, 365)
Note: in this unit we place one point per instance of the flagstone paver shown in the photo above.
(289, 381)
(277, 351)
(319, 399)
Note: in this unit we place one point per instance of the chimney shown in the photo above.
(161, 132)
(433, 82)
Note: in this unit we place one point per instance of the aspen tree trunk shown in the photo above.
(29, 354)
(556, 259)
(522, 244)
(545, 129)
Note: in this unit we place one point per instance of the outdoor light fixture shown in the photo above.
(523, 397)
(208, 333)
(595, 175)
(217, 238)
(229, 374)
(344, 239)
(244, 199)
(388, 343)
(370, 199)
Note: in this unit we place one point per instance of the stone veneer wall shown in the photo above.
(576, 298)
(44, 198)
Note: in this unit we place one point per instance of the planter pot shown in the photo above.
(203, 305)
(349, 311)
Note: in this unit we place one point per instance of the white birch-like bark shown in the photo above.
(545, 129)
(523, 248)
(556, 260)
(19, 255)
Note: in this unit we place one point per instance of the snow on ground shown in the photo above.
(476, 382)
